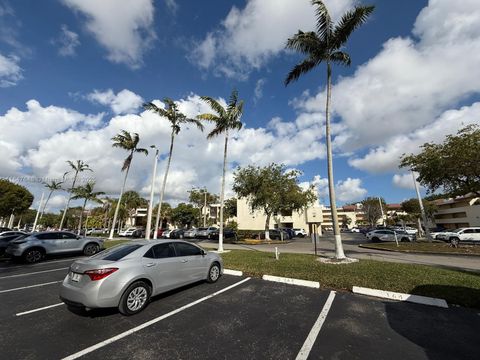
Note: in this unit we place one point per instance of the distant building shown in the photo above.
(458, 212)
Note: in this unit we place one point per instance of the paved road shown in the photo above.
(244, 319)
(326, 247)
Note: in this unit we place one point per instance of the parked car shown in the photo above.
(205, 233)
(273, 233)
(290, 232)
(34, 247)
(177, 234)
(300, 232)
(128, 275)
(227, 234)
(190, 233)
(389, 235)
(467, 234)
(138, 233)
(6, 237)
(166, 234)
(128, 232)
(95, 231)
(3, 229)
(355, 230)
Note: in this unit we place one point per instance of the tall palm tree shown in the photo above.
(176, 119)
(52, 186)
(77, 168)
(225, 119)
(86, 192)
(128, 142)
(325, 45)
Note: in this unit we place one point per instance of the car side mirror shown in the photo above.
(78, 237)
(204, 253)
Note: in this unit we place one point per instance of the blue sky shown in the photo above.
(85, 67)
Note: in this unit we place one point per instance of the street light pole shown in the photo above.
(422, 209)
(38, 212)
(381, 209)
(152, 194)
(205, 208)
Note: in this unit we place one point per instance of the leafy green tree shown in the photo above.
(128, 142)
(184, 215)
(77, 167)
(49, 220)
(199, 197)
(86, 192)
(13, 198)
(412, 207)
(52, 186)
(453, 166)
(326, 46)
(272, 190)
(372, 210)
(231, 208)
(226, 119)
(165, 215)
(176, 119)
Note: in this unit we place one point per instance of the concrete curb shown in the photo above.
(232, 272)
(284, 280)
(400, 296)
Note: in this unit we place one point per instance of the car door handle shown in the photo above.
(184, 260)
(150, 264)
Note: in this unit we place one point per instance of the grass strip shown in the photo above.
(426, 248)
(455, 286)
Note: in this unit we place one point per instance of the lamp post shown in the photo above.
(205, 208)
(381, 209)
(422, 210)
(152, 194)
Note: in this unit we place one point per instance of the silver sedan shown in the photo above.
(128, 275)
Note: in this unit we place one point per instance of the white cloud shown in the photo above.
(258, 92)
(10, 71)
(124, 28)
(123, 102)
(249, 37)
(403, 181)
(67, 42)
(172, 5)
(346, 190)
(405, 87)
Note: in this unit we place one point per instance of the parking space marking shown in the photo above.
(39, 309)
(312, 336)
(31, 286)
(32, 273)
(43, 263)
(149, 323)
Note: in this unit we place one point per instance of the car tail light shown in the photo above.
(100, 274)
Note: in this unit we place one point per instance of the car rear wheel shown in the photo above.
(91, 249)
(34, 255)
(213, 273)
(375, 239)
(135, 298)
(405, 239)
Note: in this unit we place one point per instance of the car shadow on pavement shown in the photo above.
(443, 333)
(104, 312)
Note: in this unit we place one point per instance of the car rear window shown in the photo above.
(118, 252)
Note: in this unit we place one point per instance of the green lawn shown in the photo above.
(426, 247)
(456, 287)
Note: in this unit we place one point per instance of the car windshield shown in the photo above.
(456, 230)
(117, 252)
(202, 229)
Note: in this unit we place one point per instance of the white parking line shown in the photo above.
(33, 273)
(148, 323)
(312, 336)
(30, 286)
(39, 309)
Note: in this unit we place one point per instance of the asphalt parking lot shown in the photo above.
(235, 318)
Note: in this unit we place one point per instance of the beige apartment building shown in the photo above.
(458, 212)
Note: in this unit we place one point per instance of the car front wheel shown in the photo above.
(454, 241)
(33, 255)
(135, 298)
(213, 273)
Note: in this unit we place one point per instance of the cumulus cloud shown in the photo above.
(124, 28)
(10, 71)
(258, 92)
(67, 41)
(346, 191)
(123, 102)
(398, 95)
(247, 38)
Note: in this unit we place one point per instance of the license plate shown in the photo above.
(75, 276)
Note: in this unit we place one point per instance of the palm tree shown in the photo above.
(77, 168)
(128, 142)
(326, 45)
(52, 186)
(86, 192)
(225, 119)
(176, 118)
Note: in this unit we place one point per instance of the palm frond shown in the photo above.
(301, 68)
(127, 162)
(141, 150)
(305, 42)
(215, 105)
(152, 107)
(340, 58)
(349, 22)
(324, 21)
(217, 131)
(208, 117)
(195, 122)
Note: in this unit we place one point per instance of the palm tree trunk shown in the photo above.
(112, 230)
(45, 205)
(81, 218)
(267, 227)
(68, 201)
(157, 220)
(222, 194)
(339, 254)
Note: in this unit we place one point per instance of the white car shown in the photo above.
(389, 235)
(128, 232)
(300, 232)
(355, 230)
(460, 235)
